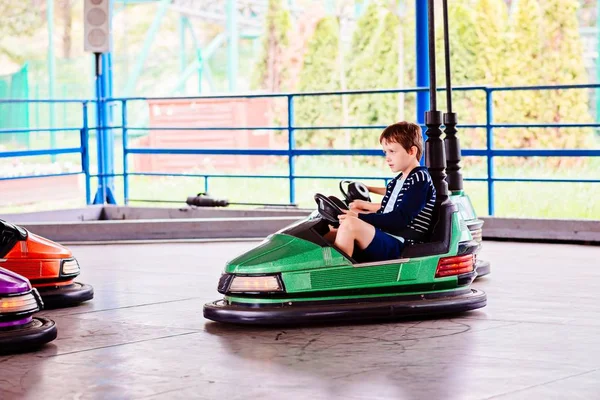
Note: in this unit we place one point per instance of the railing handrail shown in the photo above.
(489, 152)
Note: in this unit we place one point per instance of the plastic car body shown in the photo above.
(19, 331)
(49, 266)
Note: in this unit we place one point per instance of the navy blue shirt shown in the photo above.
(412, 215)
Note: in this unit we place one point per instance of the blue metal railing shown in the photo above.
(82, 149)
(292, 152)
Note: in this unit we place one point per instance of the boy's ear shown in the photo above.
(413, 151)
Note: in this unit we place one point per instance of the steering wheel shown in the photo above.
(355, 191)
(329, 208)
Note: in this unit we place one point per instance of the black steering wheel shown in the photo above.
(355, 191)
(329, 208)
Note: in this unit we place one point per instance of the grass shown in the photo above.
(512, 199)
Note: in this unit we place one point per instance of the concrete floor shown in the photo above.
(144, 336)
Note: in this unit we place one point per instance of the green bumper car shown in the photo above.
(296, 276)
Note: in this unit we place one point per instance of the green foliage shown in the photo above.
(489, 44)
(374, 64)
(320, 72)
(17, 20)
(270, 73)
(464, 41)
(544, 48)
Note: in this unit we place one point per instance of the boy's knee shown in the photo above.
(350, 224)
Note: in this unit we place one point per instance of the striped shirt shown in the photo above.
(413, 207)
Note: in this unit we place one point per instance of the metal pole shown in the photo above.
(435, 157)
(451, 141)
(100, 196)
(51, 73)
(107, 115)
(233, 37)
(422, 62)
(85, 154)
(125, 164)
(291, 146)
(489, 106)
(107, 122)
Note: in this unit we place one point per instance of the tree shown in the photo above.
(464, 45)
(18, 19)
(270, 73)
(320, 72)
(490, 41)
(525, 49)
(364, 70)
(66, 9)
(562, 63)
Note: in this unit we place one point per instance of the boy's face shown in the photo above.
(396, 157)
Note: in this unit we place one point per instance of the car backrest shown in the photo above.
(439, 236)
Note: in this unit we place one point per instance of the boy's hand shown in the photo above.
(364, 207)
(359, 205)
(347, 214)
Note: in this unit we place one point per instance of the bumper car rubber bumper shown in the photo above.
(32, 335)
(66, 296)
(482, 267)
(456, 301)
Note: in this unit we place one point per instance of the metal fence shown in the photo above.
(106, 149)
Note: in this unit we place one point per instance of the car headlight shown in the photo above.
(70, 267)
(241, 284)
(18, 304)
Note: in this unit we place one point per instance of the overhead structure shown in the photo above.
(250, 14)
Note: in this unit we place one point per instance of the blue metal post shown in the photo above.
(104, 119)
(489, 105)
(233, 37)
(422, 43)
(291, 147)
(109, 136)
(205, 184)
(51, 72)
(85, 156)
(100, 196)
(125, 164)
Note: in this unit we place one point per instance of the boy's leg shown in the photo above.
(351, 230)
(331, 235)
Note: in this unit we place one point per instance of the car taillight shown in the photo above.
(455, 265)
(477, 234)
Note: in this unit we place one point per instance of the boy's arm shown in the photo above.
(374, 207)
(377, 190)
(362, 206)
(413, 201)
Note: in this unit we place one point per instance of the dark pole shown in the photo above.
(435, 157)
(422, 65)
(452, 144)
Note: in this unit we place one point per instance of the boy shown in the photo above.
(381, 230)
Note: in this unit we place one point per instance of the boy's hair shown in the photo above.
(406, 134)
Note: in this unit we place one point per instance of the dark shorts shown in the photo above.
(382, 247)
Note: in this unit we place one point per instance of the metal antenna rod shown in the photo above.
(447, 57)
(451, 142)
(435, 155)
(432, 74)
